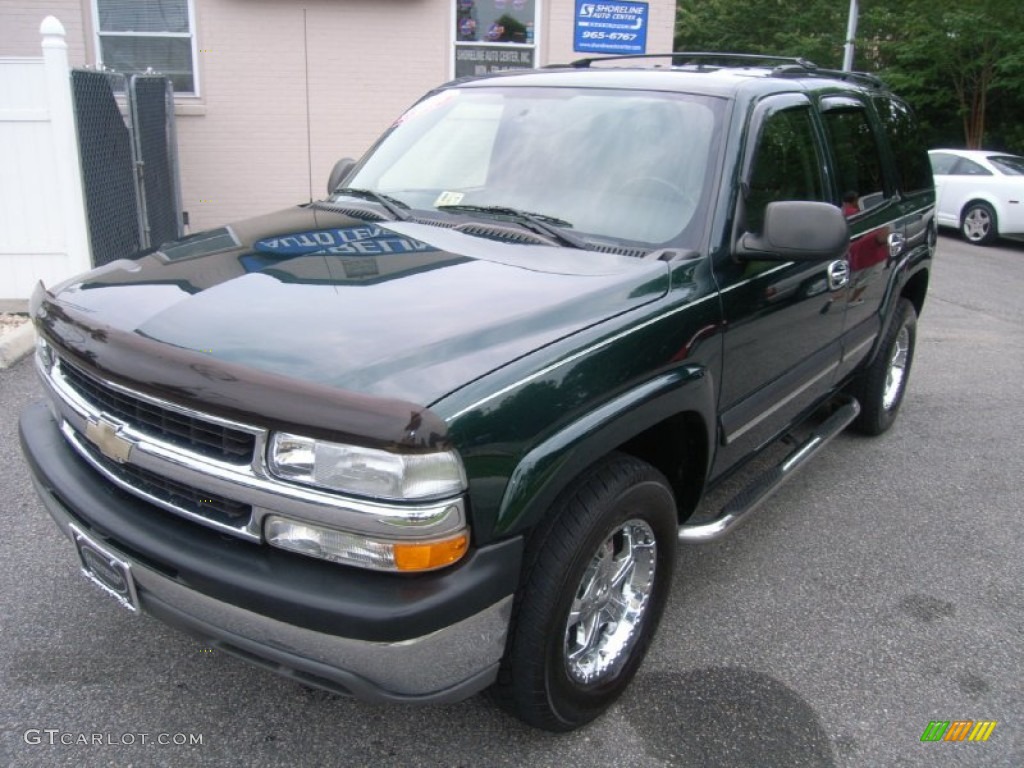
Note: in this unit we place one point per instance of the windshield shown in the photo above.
(1011, 165)
(625, 166)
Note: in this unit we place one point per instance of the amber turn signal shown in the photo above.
(430, 555)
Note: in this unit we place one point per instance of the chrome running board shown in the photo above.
(750, 498)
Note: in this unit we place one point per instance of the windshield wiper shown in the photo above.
(389, 204)
(538, 222)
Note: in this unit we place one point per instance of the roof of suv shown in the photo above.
(703, 73)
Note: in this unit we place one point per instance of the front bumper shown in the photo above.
(434, 637)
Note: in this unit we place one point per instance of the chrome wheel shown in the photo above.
(896, 374)
(598, 575)
(610, 603)
(881, 386)
(979, 224)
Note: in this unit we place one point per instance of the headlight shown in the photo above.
(366, 471)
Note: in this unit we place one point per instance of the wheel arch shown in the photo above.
(908, 282)
(915, 290)
(666, 421)
(678, 447)
(977, 199)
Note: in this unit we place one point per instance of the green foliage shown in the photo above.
(807, 28)
(960, 63)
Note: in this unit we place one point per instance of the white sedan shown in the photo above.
(980, 193)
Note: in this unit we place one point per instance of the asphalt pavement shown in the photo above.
(880, 590)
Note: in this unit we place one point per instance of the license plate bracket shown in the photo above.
(107, 571)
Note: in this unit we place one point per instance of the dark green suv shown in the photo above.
(444, 430)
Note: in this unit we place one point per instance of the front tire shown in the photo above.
(881, 386)
(596, 578)
(978, 224)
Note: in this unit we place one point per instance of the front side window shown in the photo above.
(629, 166)
(139, 35)
(786, 164)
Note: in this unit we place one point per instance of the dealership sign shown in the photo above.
(610, 27)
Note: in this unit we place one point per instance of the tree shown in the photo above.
(960, 63)
(809, 29)
(957, 53)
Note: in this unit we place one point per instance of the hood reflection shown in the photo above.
(406, 310)
(400, 255)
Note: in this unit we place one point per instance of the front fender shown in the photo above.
(548, 468)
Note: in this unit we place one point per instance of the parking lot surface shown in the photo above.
(878, 591)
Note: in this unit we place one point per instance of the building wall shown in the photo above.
(20, 20)
(246, 152)
(243, 147)
(368, 61)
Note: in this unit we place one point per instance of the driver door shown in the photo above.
(783, 319)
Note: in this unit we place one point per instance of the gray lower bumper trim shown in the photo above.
(309, 672)
(447, 665)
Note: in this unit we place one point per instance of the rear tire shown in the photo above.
(978, 224)
(596, 577)
(882, 384)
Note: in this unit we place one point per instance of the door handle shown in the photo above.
(838, 274)
(896, 243)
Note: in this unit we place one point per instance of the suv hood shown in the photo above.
(400, 310)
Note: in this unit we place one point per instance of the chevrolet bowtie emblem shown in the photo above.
(104, 436)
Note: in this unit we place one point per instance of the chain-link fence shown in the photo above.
(108, 169)
(129, 165)
(151, 104)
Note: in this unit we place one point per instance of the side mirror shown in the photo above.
(339, 172)
(798, 230)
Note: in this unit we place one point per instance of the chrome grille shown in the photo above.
(125, 436)
(203, 437)
(182, 497)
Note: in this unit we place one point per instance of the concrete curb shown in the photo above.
(16, 344)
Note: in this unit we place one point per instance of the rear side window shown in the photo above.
(965, 167)
(858, 158)
(907, 148)
(1011, 165)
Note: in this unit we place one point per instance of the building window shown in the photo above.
(139, 35)
(494, 35)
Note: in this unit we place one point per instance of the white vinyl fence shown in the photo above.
(43, 233)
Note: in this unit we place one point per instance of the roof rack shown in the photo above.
(783, 66)
(715, 58)
(862, 78)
